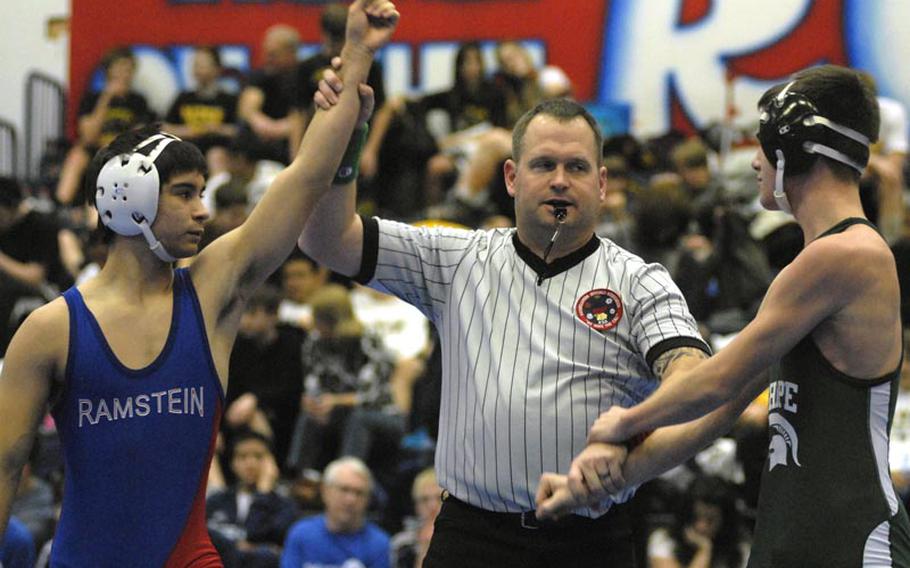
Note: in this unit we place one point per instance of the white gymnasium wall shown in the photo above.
(25, 47)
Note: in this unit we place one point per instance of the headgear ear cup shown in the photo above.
(127, 192)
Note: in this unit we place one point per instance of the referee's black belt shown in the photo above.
(616, 520)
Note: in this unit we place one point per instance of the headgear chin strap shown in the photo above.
(780, 196)
(792, 132)
(127, 193)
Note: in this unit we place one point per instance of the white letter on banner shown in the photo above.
(646, 53)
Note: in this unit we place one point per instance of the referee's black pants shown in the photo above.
(465, 536)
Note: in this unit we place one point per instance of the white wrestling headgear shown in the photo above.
(127, 192)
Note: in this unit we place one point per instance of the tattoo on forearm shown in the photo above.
(666, 360)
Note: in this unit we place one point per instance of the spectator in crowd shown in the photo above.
(31, 270)
(95, 255)
(478, 159)
(347, 406)
(246, 169)
(266, 102)
(707, 534)
(301, 277)
(662, 215)
(404, 332)
(34, 505)
(266, 377)
(231, 210)
(780, 237)
(17, 550)
(472, 99)
(410, 545)
(517, 78)
(250, 515)
(887, 163)
(306, 490)
(695, 164)
(341, 536)
(474, 102)
(616, 221)
(401, 326)
(206, 115)
(103, 116)
(478, 190)
(554, 83)
(703, 189)
(479, 153)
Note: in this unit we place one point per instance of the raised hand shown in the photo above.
(370, 24)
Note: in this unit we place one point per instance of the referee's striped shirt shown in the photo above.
(531, 354)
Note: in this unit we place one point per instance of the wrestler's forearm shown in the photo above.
(670, 446)
(12, 460)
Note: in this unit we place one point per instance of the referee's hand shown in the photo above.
(596, 472)
(610, 427)
(330, 86)
(329, 90)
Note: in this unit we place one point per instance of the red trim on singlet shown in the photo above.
(195, 548)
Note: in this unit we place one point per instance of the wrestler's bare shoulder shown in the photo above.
(45, 332)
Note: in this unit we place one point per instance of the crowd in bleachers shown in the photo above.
(332, 407)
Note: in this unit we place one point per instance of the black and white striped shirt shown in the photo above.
(531, 353)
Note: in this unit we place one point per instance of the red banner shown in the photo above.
(573, 43)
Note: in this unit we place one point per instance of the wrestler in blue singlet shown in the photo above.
(137, 445)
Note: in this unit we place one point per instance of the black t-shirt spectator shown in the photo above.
(310, 71)
(123, 113)
(279, 90)
(32, 239)
(274, 373)
(199, 112)
(466, 108)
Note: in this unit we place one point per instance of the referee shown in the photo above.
(542, 328)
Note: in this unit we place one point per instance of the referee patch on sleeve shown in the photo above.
(599, 309)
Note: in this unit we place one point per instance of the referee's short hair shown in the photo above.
(563, 110)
